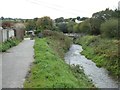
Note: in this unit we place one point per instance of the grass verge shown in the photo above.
(8, 44)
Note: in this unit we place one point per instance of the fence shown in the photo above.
(18, 32)
(0, 36)
(5, 34)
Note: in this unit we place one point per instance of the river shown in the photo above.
(99, 76)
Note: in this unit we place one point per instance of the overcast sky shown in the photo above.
(54, 8)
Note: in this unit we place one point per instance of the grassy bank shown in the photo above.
(8, 44)
(58, 42)
(49, 69)
(103, 51)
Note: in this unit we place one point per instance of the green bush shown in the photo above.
(8, 44)
(85, 27)
(110, 28)
(95, 26)
(62, 27)
(70, 26)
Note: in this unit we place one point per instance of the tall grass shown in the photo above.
(58, 42)
(103, 51)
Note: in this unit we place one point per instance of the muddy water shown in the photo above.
(99, 76)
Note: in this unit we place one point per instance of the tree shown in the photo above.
(73, 19)
(62, 27)
(100, 17)
(95, 24)
(58, 20)
(2, 18)
(70, 26)
(44, 23)
(104, 15)
(30, 25)
(85, 27)
(35, 19)
(76, 28)
(19, 26)
(78, 18)
(84, 18)
(110, 28)
(7, 24)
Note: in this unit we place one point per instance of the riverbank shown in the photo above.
(99, 76)
(49, 69)
(103, 51)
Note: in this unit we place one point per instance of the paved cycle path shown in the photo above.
(16, 63)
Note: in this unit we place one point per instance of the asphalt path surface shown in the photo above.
(0, 70)
(16, 63)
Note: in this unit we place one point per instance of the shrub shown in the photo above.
(85, 27)
(70, 26)
(8, 44)
(58, 40)
(110, 28)
(62, 27)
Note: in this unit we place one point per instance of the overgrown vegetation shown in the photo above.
(110, 28)
(103, 51)
(8, 44)
(58, 41)
(49, 69)
(104, 23)
(101, 41)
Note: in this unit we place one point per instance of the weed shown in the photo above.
(103, 51)
(8, 44)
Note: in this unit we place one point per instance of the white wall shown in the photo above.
(5, 34)
(0, 36)
(11, 33)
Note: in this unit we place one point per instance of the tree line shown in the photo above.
(103, 23)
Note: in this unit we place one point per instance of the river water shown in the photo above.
(99, 76)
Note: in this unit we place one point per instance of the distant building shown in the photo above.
(78, 21)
